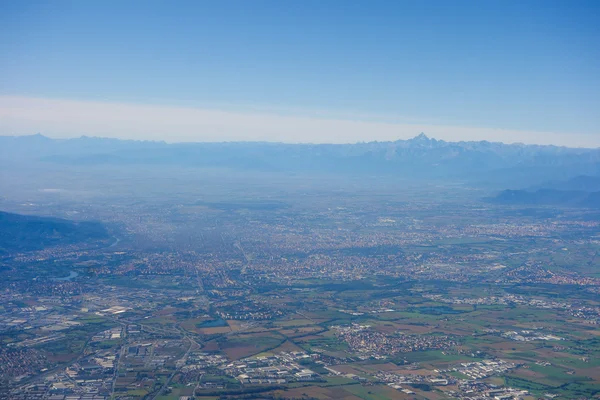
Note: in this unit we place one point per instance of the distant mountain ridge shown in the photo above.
(582, 183)
(420, 157)
(580, 191)
(550, 197)
(26, 232)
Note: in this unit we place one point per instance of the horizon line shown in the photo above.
(61, 118)
(416, 137)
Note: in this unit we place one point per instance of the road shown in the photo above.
(183, 358)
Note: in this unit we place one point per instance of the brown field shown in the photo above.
(348, 369)
(453, 329)
(190, 324)
(408, 328)
(380, 367)
(288, 332)
(254, 329)
(528, 374)
(211, 346)
(235, 353)
(215, 330)
(235, 325)
(425, 372)
(595, 332)
(166, 311)
(383, 392)
(593, 373)
(299, 331)
(546, 353)
(385, 327)
(245, 345)
(333, 393)
(309, 337)
(509, 345)
(294, 322)
(427, 395)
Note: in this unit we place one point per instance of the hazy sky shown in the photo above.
(302, 70)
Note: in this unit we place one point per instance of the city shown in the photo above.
(307, 300)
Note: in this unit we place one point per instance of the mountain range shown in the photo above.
(25, 232)
(420, 158)
(580, 191)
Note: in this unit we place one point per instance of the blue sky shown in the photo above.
(501, 70)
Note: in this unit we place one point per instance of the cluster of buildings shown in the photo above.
(529, 335)
(403, 381)
(90, 378)
(590, 314)
(272, 369)
(45, 317)
(249, 313)
(476, 390)
(472, 388)
(369, 343)
(21, 363)
(485, 368)
(275, 369)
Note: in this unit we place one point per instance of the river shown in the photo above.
(72, 274)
